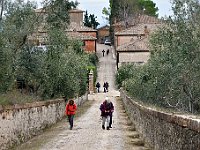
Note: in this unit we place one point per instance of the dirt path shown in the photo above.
(87, 133)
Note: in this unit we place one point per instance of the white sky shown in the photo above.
(95, 7)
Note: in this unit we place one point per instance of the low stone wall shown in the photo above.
(163, 131)
(18, 123)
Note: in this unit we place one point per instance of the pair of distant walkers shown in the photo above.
(105, 87)
(107, 110)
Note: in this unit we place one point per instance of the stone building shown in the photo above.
(131, 44)
(74, 29)
(103, 33)
(135, 52)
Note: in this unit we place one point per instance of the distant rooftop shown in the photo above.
(39, 10)
(139, 19)
(138, 45)
(76, 35)
(75, 10)
(78, 27)
(138, 29)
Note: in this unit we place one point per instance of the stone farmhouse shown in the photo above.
(103, 33)
(131, 44)
(75, 30)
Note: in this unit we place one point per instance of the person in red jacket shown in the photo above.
(70, 112)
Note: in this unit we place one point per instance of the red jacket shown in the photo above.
(70, 109)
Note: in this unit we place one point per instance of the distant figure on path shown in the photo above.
(106, 110)
(98, 86)
(107, 52)
(103, 51)
(70, 112)
(104, 87)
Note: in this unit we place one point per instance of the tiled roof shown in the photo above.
(76, 35)
(148, 19)
(105, 26)
(75, 10)
(138, 20)
(138, 45)
(139, 29)
(39, 10)
(76, 27)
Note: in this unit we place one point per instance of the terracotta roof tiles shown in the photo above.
(138, 45)
(81, 36)
(76, 27)
(139, 29)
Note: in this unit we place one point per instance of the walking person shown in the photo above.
(98, 86)
(106, 109)
(70, 112)
(104, 87)
(107, 52)
(103, 51)
(111, 112)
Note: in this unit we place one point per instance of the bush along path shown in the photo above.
(87, 133)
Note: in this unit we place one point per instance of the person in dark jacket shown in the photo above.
(98, 86)
(106, 111)
(107, 52)
(107, 85)
(70, 111)
(111, 113)
(104, 87)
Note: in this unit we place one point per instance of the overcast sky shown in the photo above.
(96, 6)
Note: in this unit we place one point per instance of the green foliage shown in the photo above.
(93, 59)
(120, 10)
(125, 72)
(148, 7)
(77, 46)
(107, 13)
(171, 77)
(59, 71)
(90, 21)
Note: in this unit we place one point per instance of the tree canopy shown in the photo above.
(90, 21)
(61, 70)
(120, 10)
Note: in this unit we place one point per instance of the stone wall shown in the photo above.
(18, 123)
(163, 131)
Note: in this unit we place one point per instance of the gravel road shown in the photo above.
(87, 133)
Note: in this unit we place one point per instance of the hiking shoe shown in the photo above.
(103, 127)
(108, 128)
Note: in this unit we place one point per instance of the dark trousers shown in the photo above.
(104, 89)
(110, 120)
(71, 120)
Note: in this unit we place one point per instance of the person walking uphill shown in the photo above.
(106, 110)
(98, 86)
(70, 112)
(111, 112)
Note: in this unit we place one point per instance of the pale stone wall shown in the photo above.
(162, 130)
(125, 39)
(133, 57)
(19, 123)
